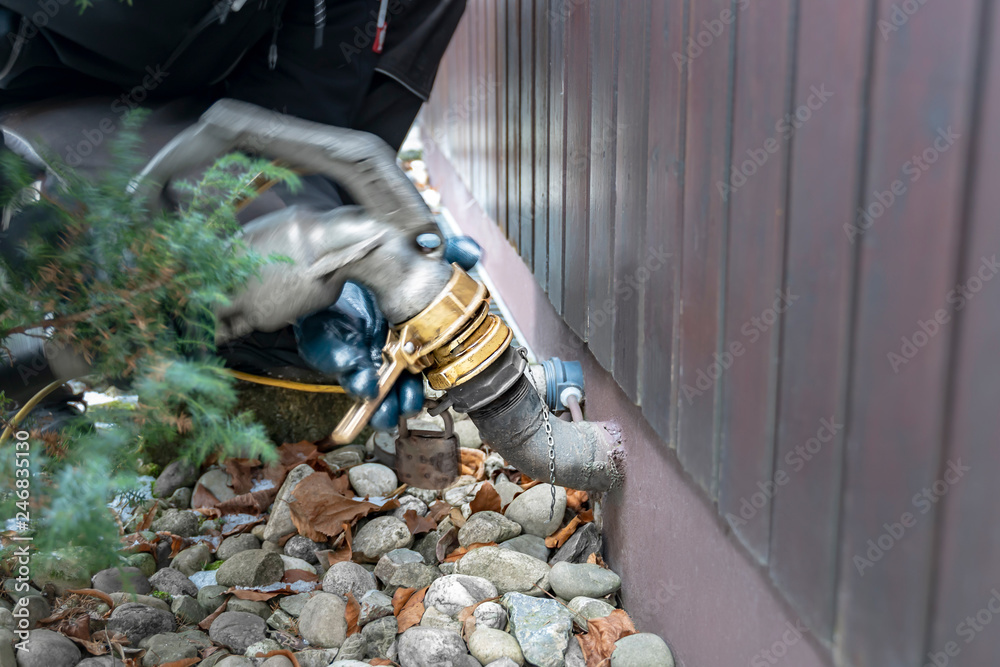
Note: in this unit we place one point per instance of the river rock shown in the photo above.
(70, 567)
(293, 604)
(585, 541)
(282, 622)
(137, 621)
(348, 576)
(531, 510)
(353, 648)
(177, 522)
(280, 523)
(542, 627)
(299, 546)
(642, 650)
(144, 562)
(487, 645)
(212, 597)
(380, 536)
(263, 647)
(237, 630)
(251, 568)
(433, 618)
(453, 593)
(426, 495)
(509, 571)
(490, 615)
(235, 544)
(483, 527)
(188, 609)
(532, 545)
(374, 605)
(431, 647)
(570, 580)
(574, 654)
(277, 661)
(322, 622)
(48, 649)
(468, 434)
(176, 475)
(165, 648)
(255, 607)
(506, 489)
(36, 608)
(121, 598)
(372, 480)
(590, 608)
(290, 563)
(380, 637)
(316, 657)
(204, 578)
(344, 457)
(408, 502)
(114, 580)
(193, 559)
(180, 499)
(217, 482)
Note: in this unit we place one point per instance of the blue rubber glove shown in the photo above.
(346, 340)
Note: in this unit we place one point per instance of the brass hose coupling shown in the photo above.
(452, 340)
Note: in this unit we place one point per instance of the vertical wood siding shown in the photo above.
(775, 224)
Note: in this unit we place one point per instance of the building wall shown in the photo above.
(773, 225)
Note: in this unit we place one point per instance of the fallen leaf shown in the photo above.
(94, 593)
(457, 518)
(439, 510)
(342, 484)
(595, 559)
(602, 633)
(487, 500)
(400, 598)
(294, 454)
(530, 485)
(575, 499)
(418, 524)
(202, 497)
(262, 596)
(446, 543)
(209, 512)
(207, 623)
(352, 614)
(461, 551)
(285, 652)
(380, 661)
(586, 516)
(412, 611)
(147, 519)
(559, 538)
(468, 621)
(241, 473)
(472, 462)
(249, 503)
(319, 512)
(291, 576)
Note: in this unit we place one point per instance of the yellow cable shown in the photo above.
(288, 384)
(28, 407)
(256, 379)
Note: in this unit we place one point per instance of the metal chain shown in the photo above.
(552, 459)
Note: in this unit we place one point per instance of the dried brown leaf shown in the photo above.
(576, 499)
(486, 500)
(185, 662)
(461, 551)
(293, 454)
(595, 559)
(473, 462)
(457, 518)
(319, 512)
(207, 623)
(384, 662)
(94, 593)
(418, 524)
(352, 614)
(400, 598)
(291, 576)
(446, 543)
(202, 497)
(602, 633)
(241, 473)
(249, 503)
(147, 519)
(559, 538)
(439, 510)
(412, 611)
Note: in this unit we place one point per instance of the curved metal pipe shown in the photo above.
(587, 454)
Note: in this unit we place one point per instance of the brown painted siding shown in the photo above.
(673, 170)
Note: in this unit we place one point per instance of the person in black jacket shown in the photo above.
(360, 64)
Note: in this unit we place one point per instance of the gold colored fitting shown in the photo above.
(453, 339)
